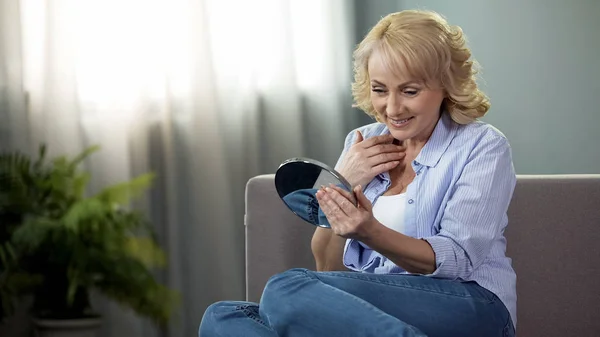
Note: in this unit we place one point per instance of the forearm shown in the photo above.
(412, 255)
(328, 250)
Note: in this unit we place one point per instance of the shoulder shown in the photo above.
(478, 155)
(478, 145)
(480, 135)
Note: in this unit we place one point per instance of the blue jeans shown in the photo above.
(306, 303)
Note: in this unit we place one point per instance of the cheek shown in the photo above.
(425, 106)
(378, 103)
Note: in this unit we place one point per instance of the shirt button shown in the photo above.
(410, 201)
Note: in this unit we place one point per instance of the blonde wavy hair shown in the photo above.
(423, 44)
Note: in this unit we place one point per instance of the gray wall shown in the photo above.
(541, 69)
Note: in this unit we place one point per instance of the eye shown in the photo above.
(410, 92)
(378, 90)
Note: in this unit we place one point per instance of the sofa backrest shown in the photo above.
(553, 238)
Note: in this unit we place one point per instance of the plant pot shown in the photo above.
(83, 327)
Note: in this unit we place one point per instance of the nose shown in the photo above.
(393, 105)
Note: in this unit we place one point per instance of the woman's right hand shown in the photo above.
(367, 158)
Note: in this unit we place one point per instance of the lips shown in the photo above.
(400, 122)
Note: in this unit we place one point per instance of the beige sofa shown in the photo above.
(553, 239)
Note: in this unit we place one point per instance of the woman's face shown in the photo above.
(409, 108)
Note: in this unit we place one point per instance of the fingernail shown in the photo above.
(327, 189)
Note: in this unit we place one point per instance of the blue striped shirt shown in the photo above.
(457, 202)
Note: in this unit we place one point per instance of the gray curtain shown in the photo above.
(226, 91)
(12, 96)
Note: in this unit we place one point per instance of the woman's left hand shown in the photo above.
(346, 219)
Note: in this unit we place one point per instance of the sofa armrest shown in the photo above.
(276, 239)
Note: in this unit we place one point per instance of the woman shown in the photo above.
(425, 245)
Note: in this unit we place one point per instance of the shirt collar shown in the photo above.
(438, 143)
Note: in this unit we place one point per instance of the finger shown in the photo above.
(321, 195)
(331, 209)
(384, 148)
(359, 137)
(385, 158)
(363, 201)
(341, 201)
(383, 139)
(384, 167)
(347, 194)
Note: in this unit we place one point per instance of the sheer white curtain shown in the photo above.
(206, 93)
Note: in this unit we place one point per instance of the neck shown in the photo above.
(415, 144)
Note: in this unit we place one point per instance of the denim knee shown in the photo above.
(281, 284)
(214, 316)
(210, 319)
(278, 304)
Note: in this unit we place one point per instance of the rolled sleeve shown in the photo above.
(358, 258)
(475, 215)
(446, 258)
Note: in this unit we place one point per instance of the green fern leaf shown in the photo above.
(72, 165)
(146, 251)
(79, 184)
(82, 212)
(33, 232)
(124, 192)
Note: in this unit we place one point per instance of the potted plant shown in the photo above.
(58, 245)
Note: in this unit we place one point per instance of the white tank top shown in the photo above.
(389, 210)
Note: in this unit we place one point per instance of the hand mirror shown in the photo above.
(298, 179)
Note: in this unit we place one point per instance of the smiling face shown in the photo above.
(408, 106)
(413, 64)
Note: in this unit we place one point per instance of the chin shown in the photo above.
(400, 135)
